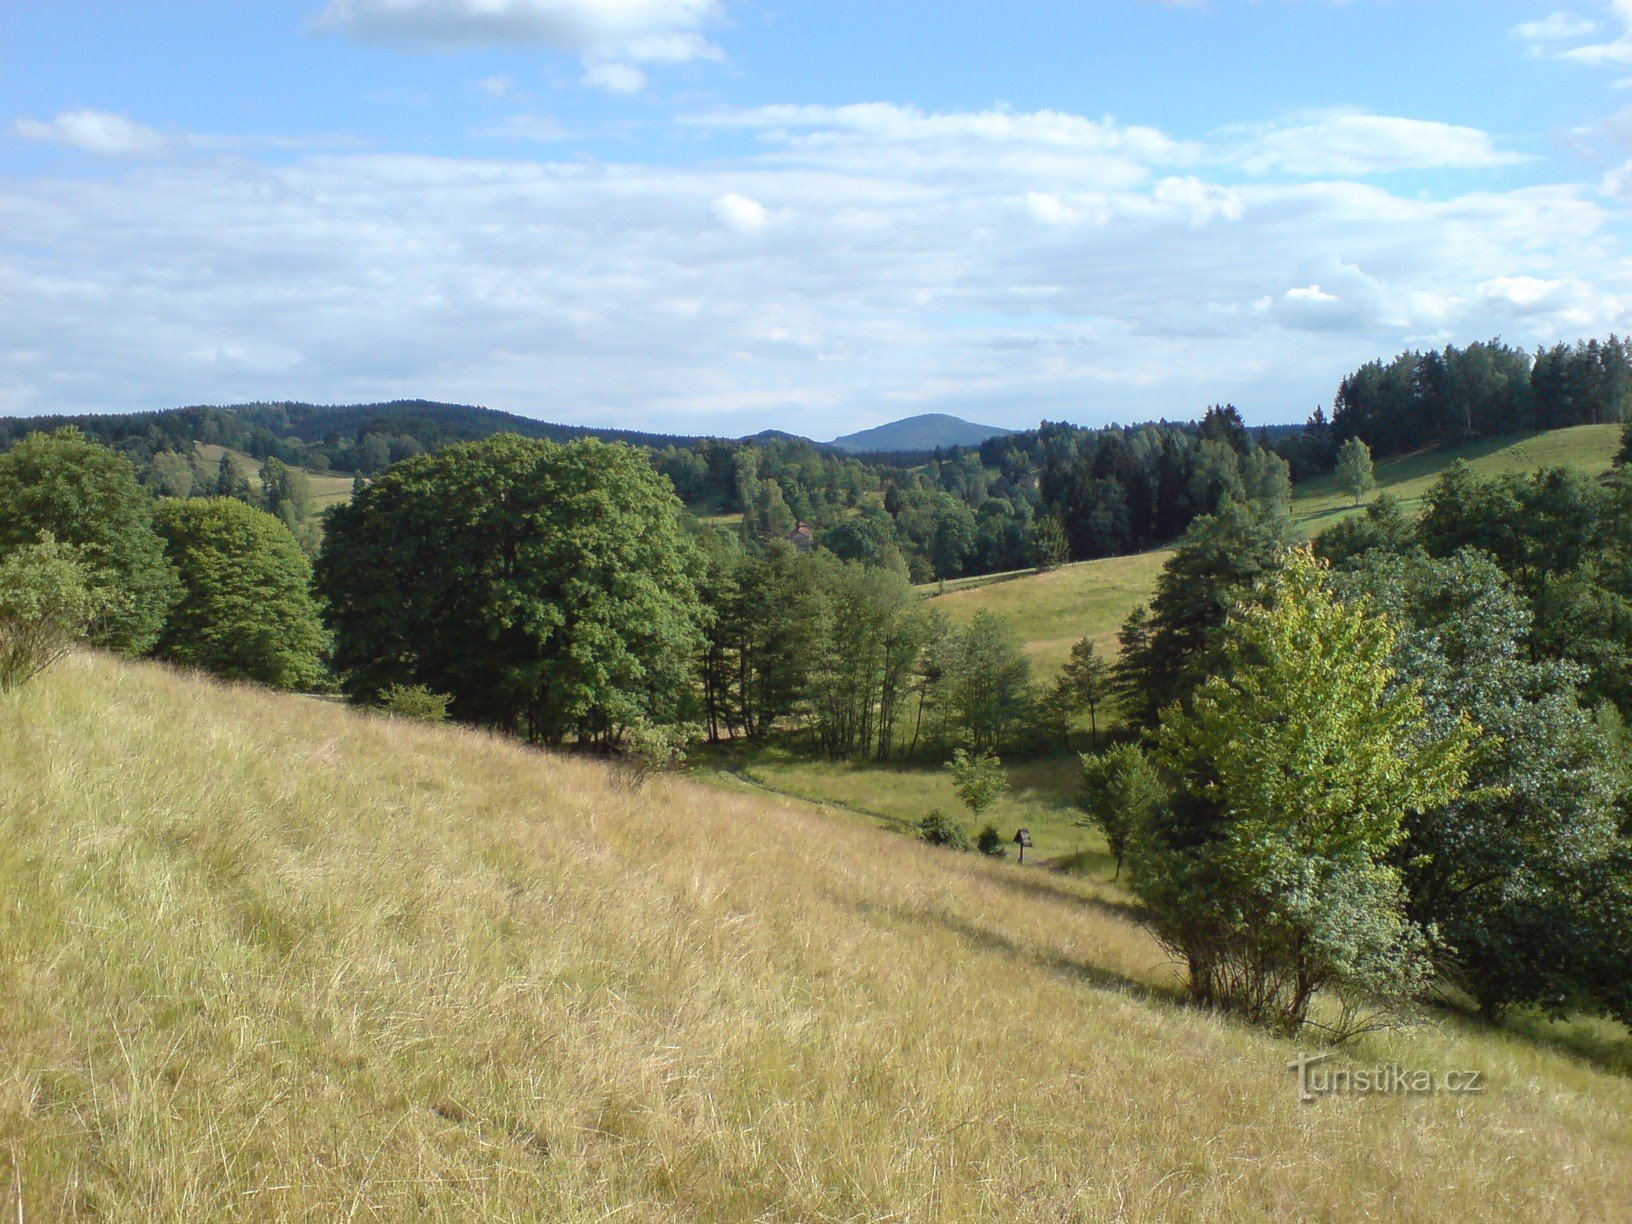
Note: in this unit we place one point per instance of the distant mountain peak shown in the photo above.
(925, 432)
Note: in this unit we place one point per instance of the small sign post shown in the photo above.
(1023, 839)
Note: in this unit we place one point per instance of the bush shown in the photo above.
(652, 748)
(47, 603)
(415, 701)
(939, 829)
(990, 842)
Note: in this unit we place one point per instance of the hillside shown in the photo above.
(930, 431)
(269, 958)
(1093, 598)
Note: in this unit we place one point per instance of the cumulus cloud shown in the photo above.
(855, 262)
(94, 131)
(585, 27)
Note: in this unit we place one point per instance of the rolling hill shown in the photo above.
(270, 958)
(1093, 598)
(931, 431)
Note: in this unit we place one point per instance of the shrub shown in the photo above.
(415, 701)
(990, 842)
(939, 829)
(653, 748)
(48, 602)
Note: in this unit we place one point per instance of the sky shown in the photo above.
(721, 216)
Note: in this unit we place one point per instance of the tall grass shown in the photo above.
(264, 957)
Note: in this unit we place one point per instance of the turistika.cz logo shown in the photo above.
(1315, 1080)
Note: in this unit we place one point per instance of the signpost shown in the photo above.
(1023, 839)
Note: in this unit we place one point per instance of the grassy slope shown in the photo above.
(1092, 598)
(267, 957)
(328, 488)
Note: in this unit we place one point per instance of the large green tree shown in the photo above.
(1512, 873)
(246, 609)
(86, 495)
(548, 588)
(1270, 872)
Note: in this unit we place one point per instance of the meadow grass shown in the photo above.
(269, 958)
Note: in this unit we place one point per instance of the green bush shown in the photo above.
(990, 842)
(652, 748)
(939, 829)
(48, 602)
(415, 701)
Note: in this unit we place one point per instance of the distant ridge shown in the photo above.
(931, 431)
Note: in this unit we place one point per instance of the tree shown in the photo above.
(231, 480)
(1086, 683)
(1215, 566)
(1049, 546)
(48, 601)
(549, 588)
(1121, 793)
(287, 492)
(1516, 873)
(978, 778)
(1355, 474)
(246, 610)
(1270, 871)
(86, 495)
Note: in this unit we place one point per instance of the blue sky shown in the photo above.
(721, 215)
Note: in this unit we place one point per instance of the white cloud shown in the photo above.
(1351, 144)
(658, 30)
(1555, 27)
(740, 213)
(93, 131)
(615, 77)
(1549, 36)
(500, 86)
(862, 261)
(527, 127)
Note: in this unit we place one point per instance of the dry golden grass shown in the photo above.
(264, 957)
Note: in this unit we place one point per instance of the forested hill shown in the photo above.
(340, 433)
(919, 434)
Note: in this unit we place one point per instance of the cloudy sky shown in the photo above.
(725, 215)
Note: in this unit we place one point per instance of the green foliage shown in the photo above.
(870, 629)
(246, 609)
(231, 479)
(1121, 793)
(656, 748)
(48, 601)
(1049, 546)
(990, 842)
(287, 492)
(1217, 564)
(978, 778)
(86, 496)
(1355, 474)
(1384, 526)
(939, 829)
(1270, 873)
(549, 588)
(1518, 873)
(415, 701)
(1086, 682)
